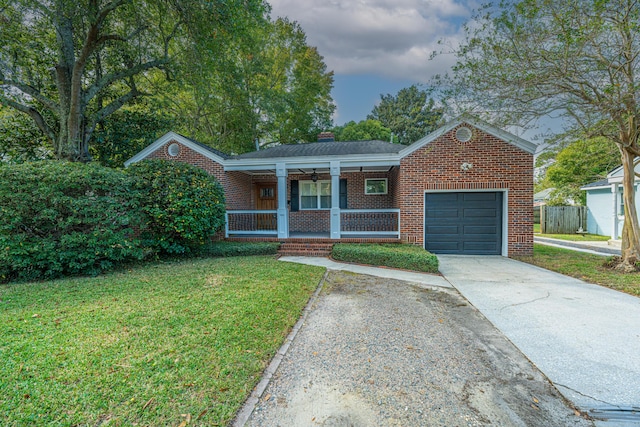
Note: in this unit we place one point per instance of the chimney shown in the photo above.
(326, 137)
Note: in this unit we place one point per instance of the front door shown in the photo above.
(267, 200)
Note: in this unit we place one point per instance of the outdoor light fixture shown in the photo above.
(314, 176)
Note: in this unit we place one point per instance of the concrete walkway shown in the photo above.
(421, 279)
(585, 338)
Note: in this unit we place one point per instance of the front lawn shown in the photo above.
(159, 345)
(578, 237)
(571, 237)
(584, 266)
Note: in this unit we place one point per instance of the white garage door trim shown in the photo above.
(505, 211)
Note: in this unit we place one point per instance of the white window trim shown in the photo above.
(620, 207)
(386, 186)
(318, 195)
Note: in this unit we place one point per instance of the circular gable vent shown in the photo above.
(464, 134)
(173, 150)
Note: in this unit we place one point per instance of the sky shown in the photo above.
(377, 47)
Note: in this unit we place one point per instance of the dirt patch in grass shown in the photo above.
(381, 352)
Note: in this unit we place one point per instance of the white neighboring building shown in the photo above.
(605, 204)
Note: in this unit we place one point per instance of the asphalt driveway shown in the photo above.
(386, 352)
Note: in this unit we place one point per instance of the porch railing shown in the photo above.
(353, 222)
(258, 222)
(360, 222)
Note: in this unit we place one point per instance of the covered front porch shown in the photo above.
(333, 200)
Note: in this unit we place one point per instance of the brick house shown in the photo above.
(464, 189)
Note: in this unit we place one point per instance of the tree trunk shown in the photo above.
(631, 227)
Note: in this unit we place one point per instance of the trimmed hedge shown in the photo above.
(184, 206)
(228, 249)
(408, 257)
(60, 218)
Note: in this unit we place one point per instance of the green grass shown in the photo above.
(584, 266)
(578, 237)
(572, 237)
(146, 346)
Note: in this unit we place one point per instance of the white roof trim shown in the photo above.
(599, 187)
(172, 136)
(524, 145)
(313, 162)
(389, 159)
(617, 174)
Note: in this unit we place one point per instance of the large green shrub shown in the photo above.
(183, 205)
(409, 257)
(59, 218)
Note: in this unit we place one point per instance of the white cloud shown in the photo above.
(391, 38)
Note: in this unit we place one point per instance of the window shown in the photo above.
(620, 202)
(267, 193)
(375, 186)
(315, 195)
(173, 150)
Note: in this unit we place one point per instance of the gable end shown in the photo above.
(172, 136)
(485, 127)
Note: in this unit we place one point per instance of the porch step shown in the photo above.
(322, 249)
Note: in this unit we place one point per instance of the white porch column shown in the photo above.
(614, 218)
(335, 199)
(283, 217)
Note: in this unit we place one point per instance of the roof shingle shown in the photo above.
(316, 149)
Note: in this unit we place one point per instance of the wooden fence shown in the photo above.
(563, 219)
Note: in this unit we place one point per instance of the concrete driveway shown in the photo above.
(585, 338)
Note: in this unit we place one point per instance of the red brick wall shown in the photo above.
(315, 221)
(238, 191)
(187, 155)
(356, 199)
(496, 165)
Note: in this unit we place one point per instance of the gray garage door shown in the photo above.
(463, 223)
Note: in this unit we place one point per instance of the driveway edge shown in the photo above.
(250, 404)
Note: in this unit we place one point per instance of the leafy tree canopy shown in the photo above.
(576, 59)
(70, 64)
(579, 163)
(20, 139)
(271, 86)
(364, 130)
(410, 114)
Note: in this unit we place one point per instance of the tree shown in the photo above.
(364, 130)
(79, 61)
(20, 139)
(269, 85)
(410, 114)
(579, 163)
(126, 132)
(576, 59)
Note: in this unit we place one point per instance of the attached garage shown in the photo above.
(468, 223)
